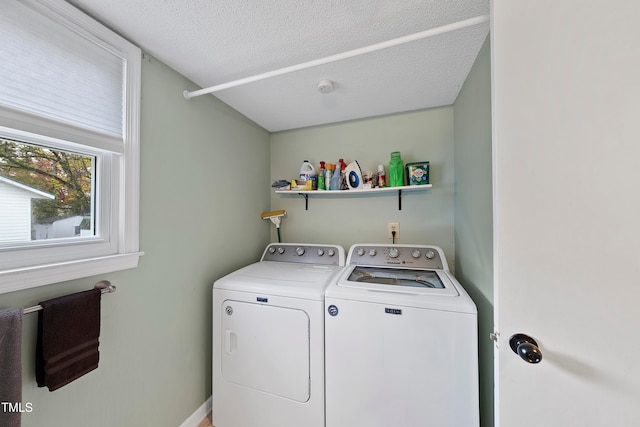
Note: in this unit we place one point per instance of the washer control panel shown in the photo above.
(410, 256)
(304, 253)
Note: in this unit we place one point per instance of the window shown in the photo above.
(69, 146)
(47, 193)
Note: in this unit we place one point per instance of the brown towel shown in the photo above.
(10, 366)
(68, 333)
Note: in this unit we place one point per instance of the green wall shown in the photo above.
(426, 217)
(473, 211)
(196, 203)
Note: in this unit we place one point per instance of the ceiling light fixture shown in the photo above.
(325, 86)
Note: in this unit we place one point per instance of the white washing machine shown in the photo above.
(268, 338)
(401, 344)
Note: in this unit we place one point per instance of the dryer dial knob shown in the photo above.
(360, 251)
(430, 254)
(415, 254)
(393, 253)
(372, 252)
(320, 252)
(281, 250)
(299, 251)
(331, 252)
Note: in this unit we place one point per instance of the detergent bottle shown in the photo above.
(396, 170)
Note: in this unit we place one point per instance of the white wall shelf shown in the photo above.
(351, 193)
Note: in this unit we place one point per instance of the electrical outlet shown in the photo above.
(391, 227)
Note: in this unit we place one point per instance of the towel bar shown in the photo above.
(104, 285)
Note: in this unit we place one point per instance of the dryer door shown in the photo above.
(266, 348)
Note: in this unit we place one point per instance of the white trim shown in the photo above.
(30, 277)
(196, 418)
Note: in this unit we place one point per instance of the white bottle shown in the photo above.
(308, 172)
(382, 179)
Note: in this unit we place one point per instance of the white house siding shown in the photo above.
(15, 214)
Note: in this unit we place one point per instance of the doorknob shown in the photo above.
(525, 347)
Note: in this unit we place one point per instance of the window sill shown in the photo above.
(30, 277)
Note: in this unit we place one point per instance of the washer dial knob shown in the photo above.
(320, 252)
(393, 253)
(331, 252)
(372, 252)
(272, 250)
(415, 254)
(280, 250)
(360, 251)
(299, 251)
(430, 254)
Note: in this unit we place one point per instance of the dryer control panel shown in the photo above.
(305, 253)
(409, 256)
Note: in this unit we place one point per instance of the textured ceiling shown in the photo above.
(216, 41)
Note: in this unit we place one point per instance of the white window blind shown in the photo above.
(54, 72)
(69, 84)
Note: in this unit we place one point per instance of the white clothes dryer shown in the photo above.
(401, 344)
(268, 338)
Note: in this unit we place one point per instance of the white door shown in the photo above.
(266, 348)
(566, 123)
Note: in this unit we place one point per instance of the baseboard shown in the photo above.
(196, 418)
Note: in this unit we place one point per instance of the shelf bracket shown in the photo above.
(306, 200)
(399, 200)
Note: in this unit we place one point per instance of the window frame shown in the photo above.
(118, 175)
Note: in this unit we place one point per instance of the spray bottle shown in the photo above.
(335, 179)
(321, 173)
(382, 179)
(328, 175)
(342, 185)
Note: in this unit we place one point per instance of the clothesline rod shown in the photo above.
(340, 56)
(104, 285)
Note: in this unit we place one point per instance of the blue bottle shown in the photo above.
(335, 179)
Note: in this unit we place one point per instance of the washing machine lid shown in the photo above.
(307, 281)
(399, 280)
(395, 277)
(388, 293)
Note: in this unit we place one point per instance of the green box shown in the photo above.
(418, 173)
